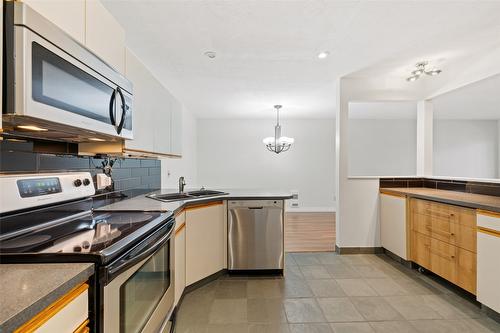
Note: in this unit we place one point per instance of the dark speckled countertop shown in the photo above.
(27, 289)
(470, 200)
(143, 203)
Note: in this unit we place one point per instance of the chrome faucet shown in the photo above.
(182, 183)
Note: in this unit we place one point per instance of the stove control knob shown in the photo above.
(86, 182)
(85, 245)
(77, 248)
(78, 182)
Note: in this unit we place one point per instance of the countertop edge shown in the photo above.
(29, 312)
(436, 198)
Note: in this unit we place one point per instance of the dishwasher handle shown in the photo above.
(259, 207)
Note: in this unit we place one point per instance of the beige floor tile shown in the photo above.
(268, 328)
(303, 310)
(450, 307)
(265, 311)
(369, 271)
(295, 288)
(315, 272)
(342, 271)
(226, 328)
(293, 272)
(351, 328)
(328, 258)
(303, 259)
(339, 310)
(375, 308)
(231, 289)
(393, 327)
(265, 288)
(386, 287)
(310, 328)
(356, 287)
(228, 311)
(326, 288)
(412, 307)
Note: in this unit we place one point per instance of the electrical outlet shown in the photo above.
(102, 181)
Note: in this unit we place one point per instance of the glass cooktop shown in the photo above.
(89, 234)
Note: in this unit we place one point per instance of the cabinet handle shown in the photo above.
(437, 231)
(443, 215)
(439, 254)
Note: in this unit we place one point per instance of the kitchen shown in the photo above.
(249, 167)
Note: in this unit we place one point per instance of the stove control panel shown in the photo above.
(32, 190)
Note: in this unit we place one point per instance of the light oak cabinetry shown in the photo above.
(104, 35)
(393, 229)
(443, 240)
(180, 255)
(67, 15)
(204, 241)
(68, 314)
(488, 261)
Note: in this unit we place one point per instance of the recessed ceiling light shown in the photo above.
(210, 54)
(96, 139)
(32, 128)
(323, 55)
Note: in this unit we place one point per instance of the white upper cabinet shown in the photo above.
(176, 132)
(67, 15)
(104, 36)
(162, 116)
(142, 118)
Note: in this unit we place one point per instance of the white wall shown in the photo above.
(382, 147)
(231, 155)
(172, 168)
(466, 148)
(498, 162)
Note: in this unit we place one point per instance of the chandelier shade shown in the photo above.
(277, 143)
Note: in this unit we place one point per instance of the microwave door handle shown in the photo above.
(124, 110)
(126, 262)
(112, 108)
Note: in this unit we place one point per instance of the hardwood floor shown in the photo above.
(309, 232)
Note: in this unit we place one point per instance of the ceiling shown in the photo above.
(267, 50)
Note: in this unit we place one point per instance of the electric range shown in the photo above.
(50, 218)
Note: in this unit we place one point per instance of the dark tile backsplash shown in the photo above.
(127, 173)
(475, 187)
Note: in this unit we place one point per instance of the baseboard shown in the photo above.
(310, 210)
(358, 250)
(397, 258)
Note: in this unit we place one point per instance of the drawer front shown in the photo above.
(467, 270)
(444, 259)
(445, 230)
(460, 215)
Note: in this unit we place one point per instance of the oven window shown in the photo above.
(59, 83)
(142, 292)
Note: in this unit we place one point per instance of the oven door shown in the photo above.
(139, 295)
(57, 80)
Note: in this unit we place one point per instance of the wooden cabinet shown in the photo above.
(67, 15)
(204, 241)
(180, 255)
(68, 314)
(443, 240)
(488, 262)
(393, 224)
(104, 35)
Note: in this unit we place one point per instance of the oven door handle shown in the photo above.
(136, 255)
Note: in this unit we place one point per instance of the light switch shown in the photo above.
(103, 181)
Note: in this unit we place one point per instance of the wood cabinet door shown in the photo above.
(180, 262)
(420, 249)
(204, 241)
(67, 15)
(104, 35)
(444, 258)
(467, 270)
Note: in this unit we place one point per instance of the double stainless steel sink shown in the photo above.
(190, 195)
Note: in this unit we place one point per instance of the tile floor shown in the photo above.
(326, 292)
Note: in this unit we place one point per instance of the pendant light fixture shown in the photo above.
(278, 143)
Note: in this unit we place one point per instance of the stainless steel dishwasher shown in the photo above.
(255, 235)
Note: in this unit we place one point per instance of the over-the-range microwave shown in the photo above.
(55, 88)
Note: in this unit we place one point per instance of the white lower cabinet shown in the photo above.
(204, 241)
(393, 228)
(488, 263)
(180, 256)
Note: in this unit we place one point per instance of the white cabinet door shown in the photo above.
(104, 36)
(393, 228)
(67, 15)
(144, 104)
(488, 264)
(176, 132)
(204, 241)
(180, 256)
(162, 116)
